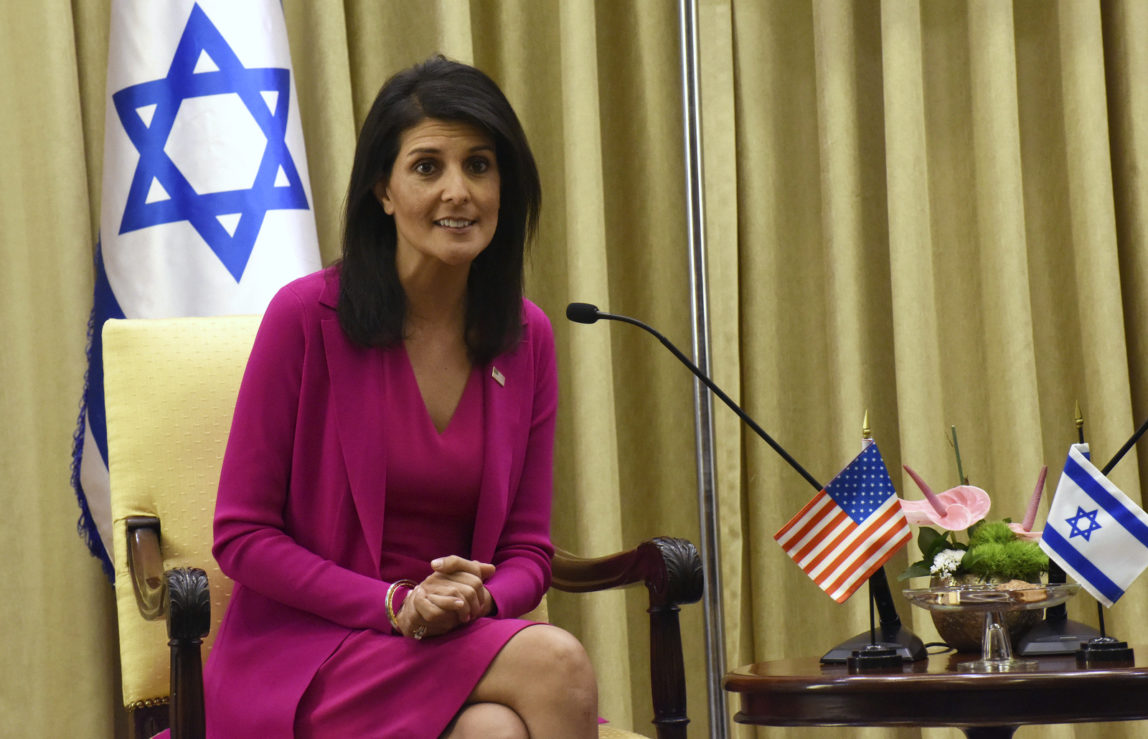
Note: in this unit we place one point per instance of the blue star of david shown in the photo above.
(1089, 524)
(202, 210)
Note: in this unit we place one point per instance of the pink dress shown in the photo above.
(312, 528)
(375, 684)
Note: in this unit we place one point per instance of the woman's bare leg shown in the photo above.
(544, 675)
(486, 721)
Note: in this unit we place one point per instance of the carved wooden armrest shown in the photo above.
(181, 595)
(670, 568)
(672, 572)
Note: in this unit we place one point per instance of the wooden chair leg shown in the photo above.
(667, 672)
(189, 618)
(675, 576)
(145, 721)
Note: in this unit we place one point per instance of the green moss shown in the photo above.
(1016, 559)
(994, 552)
(986, 532)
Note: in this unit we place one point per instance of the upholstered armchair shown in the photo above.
(170, 388)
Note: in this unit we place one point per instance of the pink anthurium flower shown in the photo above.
(953, 510)
(1024, 530)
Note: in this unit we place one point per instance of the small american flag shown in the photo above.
(849, 529)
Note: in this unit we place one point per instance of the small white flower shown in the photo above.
(946, 563)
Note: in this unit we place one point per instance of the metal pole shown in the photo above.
(703, 402)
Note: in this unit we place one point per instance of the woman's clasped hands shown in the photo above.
(451, 596)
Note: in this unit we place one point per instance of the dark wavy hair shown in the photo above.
(372, 304)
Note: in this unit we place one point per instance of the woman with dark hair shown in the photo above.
(384, 503)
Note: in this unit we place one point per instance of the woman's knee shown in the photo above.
(545, 675)
(542, 668)
(559, 654)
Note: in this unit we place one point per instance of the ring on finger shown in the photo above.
(419, 632)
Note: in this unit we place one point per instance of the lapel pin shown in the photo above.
(498, 377)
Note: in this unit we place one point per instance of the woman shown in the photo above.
(384, 502)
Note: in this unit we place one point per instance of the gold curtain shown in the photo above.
(928, 210)
(938, 220)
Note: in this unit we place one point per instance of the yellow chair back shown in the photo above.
(170, 387)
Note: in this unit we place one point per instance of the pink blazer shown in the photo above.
(299, 517)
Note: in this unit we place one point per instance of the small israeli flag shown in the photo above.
(206, 205)
(1094, 531)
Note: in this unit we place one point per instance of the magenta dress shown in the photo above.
(388, 685)
(335, 483)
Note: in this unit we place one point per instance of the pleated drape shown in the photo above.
(931, 211)
(940, 219)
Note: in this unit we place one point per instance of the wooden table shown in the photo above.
(803, 692)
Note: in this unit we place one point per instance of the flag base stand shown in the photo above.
(1104, 651)
(904, 643)
(874, 658)
(1055, 636)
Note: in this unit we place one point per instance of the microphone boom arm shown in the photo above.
(718, 392)
(894, 636)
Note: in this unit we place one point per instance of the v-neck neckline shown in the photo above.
(414, 379)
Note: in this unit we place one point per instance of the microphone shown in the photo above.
(903, 641)
(587, 313)
(582, 312)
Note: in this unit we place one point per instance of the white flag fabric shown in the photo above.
(206, 204)
(1094, 531)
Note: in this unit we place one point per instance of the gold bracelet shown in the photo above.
(390, 602)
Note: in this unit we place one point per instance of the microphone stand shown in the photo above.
(893, 635)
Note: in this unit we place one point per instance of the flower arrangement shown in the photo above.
(995, 551)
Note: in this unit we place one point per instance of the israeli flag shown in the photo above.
(1094, 531)
(206, 204)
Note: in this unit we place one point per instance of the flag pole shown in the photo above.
(1105, 641)
(1124, 449)
(962, 479)
(862, 652)
(866, 440)
(1108, 468)
(1056, 634)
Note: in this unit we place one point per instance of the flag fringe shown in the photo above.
(86, 525)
